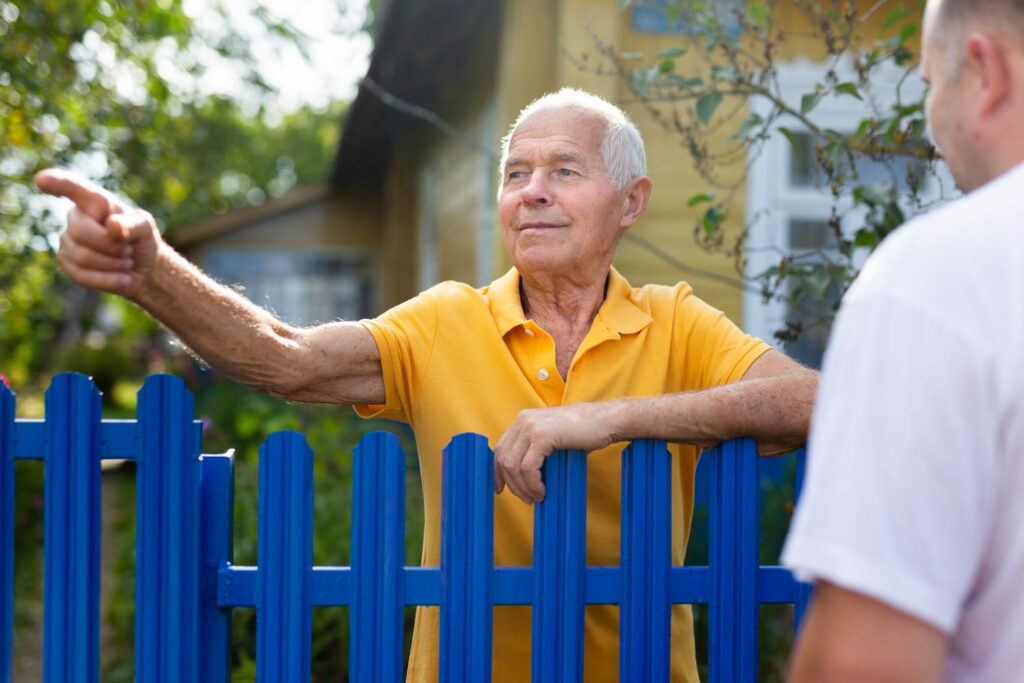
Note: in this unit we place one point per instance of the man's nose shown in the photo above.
(537, 190)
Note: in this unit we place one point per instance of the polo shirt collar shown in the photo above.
(618, 313)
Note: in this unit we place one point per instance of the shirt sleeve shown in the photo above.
(901, 462)
(714, 350)
(405, 339)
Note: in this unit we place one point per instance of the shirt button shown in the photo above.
(542, 374)
(528, 331)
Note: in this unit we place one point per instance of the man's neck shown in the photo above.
(562, 300)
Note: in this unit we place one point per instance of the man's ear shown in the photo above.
(634, 201)
(986, 56)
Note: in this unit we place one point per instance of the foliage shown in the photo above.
(116, 90)
(703, 89)
(113, 89)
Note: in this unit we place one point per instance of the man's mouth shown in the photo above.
(540, 226)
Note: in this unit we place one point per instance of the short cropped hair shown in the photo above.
(957, 12)
(623, 148)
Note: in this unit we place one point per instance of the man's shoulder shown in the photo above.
(652, 296)
(446, 295)
(449, 293)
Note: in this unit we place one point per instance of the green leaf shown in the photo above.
(707, 104)
(875, 193)
(667, 66)
(631, 56)
(757, 15)
(670, 52)
(700, 198)
(907, 31)
(791, 136)
(865, 238)
(642, 80)
(712, 220)
(751, 121)
(810, 101)
(895, 16)
(684, 83)
(849, 89)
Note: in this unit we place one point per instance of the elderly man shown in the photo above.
(911, 522)
(560, 352)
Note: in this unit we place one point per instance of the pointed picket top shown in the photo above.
(71, 381)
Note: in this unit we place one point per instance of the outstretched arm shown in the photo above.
(771, 403)
(110, 246)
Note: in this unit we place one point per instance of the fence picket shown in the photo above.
(216, 504)
(559, 560)
(285, 555)
(803, 590)
(72, 541)
(467, 560)
(645, 615)
(167, 537)
(733, 536)
(376, 615)
(6, 532)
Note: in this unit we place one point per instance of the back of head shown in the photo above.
(623, 148)
(961, 14)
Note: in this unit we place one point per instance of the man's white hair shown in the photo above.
(623, 148)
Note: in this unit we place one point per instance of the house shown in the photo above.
(411, 200)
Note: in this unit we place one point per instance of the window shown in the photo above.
(673, 16)
(300, 287)
(789, 207)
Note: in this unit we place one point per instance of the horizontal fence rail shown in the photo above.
(186, 583)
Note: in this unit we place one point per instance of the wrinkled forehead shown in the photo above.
(575, 126)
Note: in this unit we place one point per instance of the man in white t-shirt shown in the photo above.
(912, 520)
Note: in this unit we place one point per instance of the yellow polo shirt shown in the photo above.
(457, 359)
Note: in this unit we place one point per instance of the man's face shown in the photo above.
(560, 214)
(947, 102)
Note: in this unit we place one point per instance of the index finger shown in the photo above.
(89, 197)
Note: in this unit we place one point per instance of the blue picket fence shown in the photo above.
(186, 584)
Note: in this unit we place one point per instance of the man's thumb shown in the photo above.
(129, 227)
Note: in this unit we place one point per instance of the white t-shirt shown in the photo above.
(915, 484)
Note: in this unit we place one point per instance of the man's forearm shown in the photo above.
(226, 330)
(773, 410)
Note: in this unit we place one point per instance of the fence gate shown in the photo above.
(186, 583)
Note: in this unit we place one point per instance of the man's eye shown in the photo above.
(565, 172)
(515, 175)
